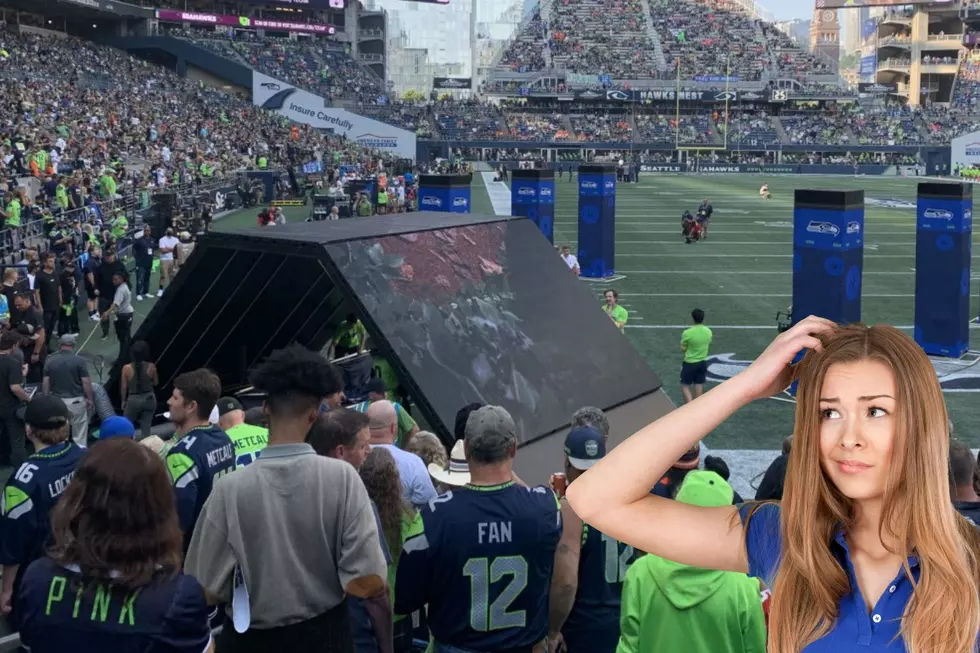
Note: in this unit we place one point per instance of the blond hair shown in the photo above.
(943, 615)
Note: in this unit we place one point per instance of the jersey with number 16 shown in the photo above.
(481, 558)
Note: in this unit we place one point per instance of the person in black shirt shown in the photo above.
(105, 289)
(143, 253)
(92, 266)
(49, 289)
(13, 439)
(68, 319)
(29, 322)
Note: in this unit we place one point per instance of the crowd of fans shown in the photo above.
(604, 38)
(321, 66)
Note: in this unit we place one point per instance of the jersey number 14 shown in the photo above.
(484, 615)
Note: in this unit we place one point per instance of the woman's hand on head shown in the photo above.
(772, 371)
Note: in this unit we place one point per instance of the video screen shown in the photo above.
(490, 313)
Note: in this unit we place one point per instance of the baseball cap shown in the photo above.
(227, 404)
(46, 412)
(116, 427)
(490, 420)
(705, 489)
(584, 446)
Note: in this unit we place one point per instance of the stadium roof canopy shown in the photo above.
(72, 10)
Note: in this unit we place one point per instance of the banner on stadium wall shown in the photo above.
(869, 28)
(768, 169)
(243, 22)
(965, 150)
(452, 83)
(867, 67)
(225, 198)
(877, 88)
(121, 8)
(307, 108)
(661, 95)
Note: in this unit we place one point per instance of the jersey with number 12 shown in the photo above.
(481, 558)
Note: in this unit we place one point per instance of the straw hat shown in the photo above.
(458, 472)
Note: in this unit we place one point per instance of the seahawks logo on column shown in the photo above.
(219, 201)
(954, 375)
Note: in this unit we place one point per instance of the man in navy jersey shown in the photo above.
(481, 557)
(34, 489)
(589, 566)
(203, 452)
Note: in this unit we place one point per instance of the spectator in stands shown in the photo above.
(871, 425)
(380, 475)
(136, 387)
(105, 285)
(462, 417)
(28, 321)
(962, 477)
(718, 465)
(122, 308)
(667, 486)
(112, 580)
(454, 471)
(168, 245)
(416, 484)
(33, 491)
(665, 603)
(585, 588)
(343, 434)
(66, 377)
(143, 254)
(249, 440)
(12, 397)
(49, 290)
(771, 486)
(319, 505)
(430, 449)
(594, 417)
(202, 452)
(407, 427)
(495, 529)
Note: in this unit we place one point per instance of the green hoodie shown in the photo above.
(668, 606)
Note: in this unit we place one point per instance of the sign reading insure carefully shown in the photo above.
(305, 107)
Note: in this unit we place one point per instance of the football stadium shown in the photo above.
(308, 305)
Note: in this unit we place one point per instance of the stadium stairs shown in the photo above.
(658, 48)
(186, 54)
(780, 130)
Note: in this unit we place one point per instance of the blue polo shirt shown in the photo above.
(856, 629)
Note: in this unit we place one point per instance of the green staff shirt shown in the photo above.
(350, 335)
(695, 342)
(618, 314)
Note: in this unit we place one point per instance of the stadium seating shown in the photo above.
(605, 38)
(318, 65)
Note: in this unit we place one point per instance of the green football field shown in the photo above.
(740, 276)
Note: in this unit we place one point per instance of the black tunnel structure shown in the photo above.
(466, 308)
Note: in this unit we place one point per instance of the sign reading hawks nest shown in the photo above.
(452, 83)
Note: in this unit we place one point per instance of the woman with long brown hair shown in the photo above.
(380, 475)
(112, 580)
(865, 551)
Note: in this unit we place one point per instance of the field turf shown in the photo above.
(741, 276)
